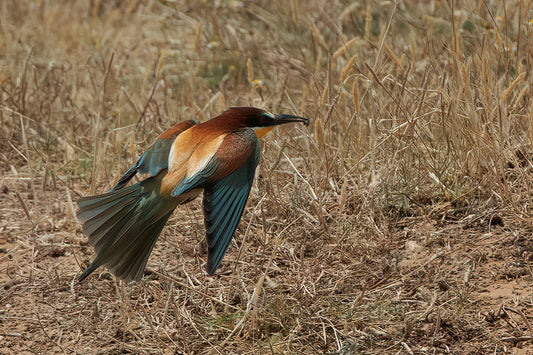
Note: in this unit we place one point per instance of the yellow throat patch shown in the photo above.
(261, 131)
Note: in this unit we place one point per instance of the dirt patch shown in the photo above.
(439, 285)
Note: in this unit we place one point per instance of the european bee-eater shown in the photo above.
(218, 156)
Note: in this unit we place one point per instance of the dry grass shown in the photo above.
(399, 223)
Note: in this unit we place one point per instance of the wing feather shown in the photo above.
(224, 203)
(225, 168)
(155, 158)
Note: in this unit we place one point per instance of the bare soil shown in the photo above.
(446, 282)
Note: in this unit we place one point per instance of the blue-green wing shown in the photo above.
(224, 203)
(155, 158)
(226, 179)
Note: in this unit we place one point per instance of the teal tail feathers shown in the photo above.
(123, 226)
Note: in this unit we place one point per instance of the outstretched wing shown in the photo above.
(155, 158)
(224, 203)
(226, 173)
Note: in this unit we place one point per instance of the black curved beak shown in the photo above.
(282, 119)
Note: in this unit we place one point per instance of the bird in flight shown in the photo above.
(218, 156)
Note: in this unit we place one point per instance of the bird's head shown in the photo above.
(262, 121)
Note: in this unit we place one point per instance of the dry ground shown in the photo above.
(400, 221)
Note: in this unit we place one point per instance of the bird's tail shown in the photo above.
(123, 226)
